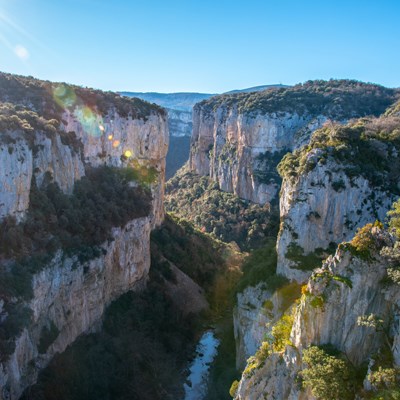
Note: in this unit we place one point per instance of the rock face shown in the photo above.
(239, 139)
(342, 180)
(249, 320)
(322, 208)
(257, 310)
(350, 287)
(179, 107)
(72, 297)
(87, 129)
(232, 148)
(180, 122)
(146, 142)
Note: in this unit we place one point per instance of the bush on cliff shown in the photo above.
(327, 375)
(367, 147)
(337, 99)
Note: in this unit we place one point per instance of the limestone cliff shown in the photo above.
(179, 107)
(239, 139)
(73, 128)
(258, 309)
(54, 133)
(344, 179)
(351, 284)
(69, 298)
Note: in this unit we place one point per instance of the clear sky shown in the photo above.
(204, 45)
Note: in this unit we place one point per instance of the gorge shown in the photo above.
(270, 249)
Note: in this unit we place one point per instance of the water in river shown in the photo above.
(206, 350)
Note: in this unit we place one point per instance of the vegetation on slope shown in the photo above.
(224, 215)
(365, 147)
(260, 266)
(77, 223)
(101, 200)
(142, 350)
(49, 99)
(25, 121)
(336, 99)
(394, 110)
(140, 353)
(328, 374)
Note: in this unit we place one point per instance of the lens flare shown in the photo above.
(21, 52)
(64, 96)
(116, 143)
(128, 154)
(89, 120)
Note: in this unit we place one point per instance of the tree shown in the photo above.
(328, 376)
(394, 218)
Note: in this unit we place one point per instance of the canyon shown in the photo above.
(271, 243)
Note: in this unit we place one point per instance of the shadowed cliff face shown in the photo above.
(53, 134)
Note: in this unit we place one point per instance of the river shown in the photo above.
(206, 350)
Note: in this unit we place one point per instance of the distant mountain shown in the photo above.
(257, 88)
(176, 101)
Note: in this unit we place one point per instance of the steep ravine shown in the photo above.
(112, 313)
(156, 330)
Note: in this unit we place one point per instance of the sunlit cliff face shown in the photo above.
(89, 119)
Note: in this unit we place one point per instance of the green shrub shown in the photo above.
(385, 378)
(328, 376)
(364, 243)
(234, 388)
(306, 262)
(260, 266)
(281, 332)
(394, 218)
(338, 186)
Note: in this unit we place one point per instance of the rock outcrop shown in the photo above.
(349, 285)
(256, 312)
(341, 181)
(82, 137)
(53, 133)
(239, 139)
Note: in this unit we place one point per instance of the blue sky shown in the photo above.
(203, 46)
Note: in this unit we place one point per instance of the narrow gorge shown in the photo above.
(267, 267)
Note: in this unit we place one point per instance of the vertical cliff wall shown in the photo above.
(344, 179)
(74, 128)
(55, 133)
(239, 139)
(179, 107)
